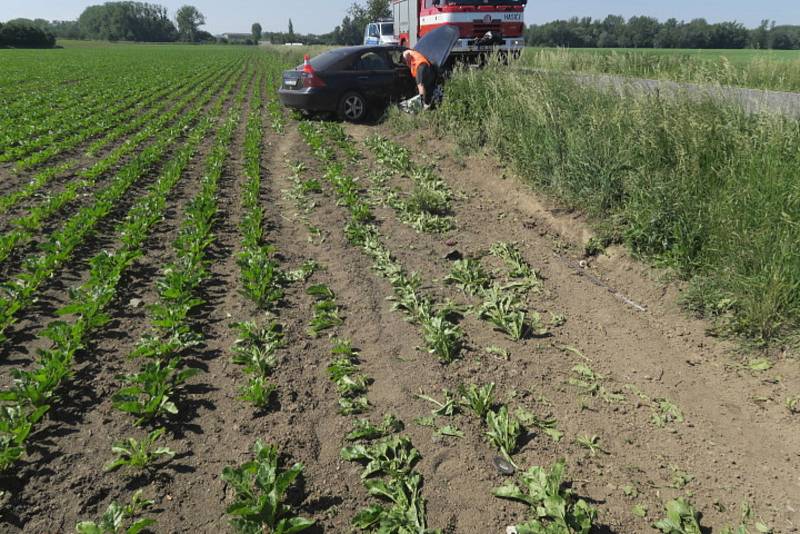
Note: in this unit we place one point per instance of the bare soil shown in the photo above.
(737, 441)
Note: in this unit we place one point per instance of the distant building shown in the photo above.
(231, 37)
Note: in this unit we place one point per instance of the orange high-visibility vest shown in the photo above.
(415, 60)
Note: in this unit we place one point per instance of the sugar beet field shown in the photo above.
(219, 316)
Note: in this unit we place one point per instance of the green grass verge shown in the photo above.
(698, 187)
(759, 69)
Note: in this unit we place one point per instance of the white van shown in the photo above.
(380, 33)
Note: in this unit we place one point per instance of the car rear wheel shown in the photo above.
(352, 107)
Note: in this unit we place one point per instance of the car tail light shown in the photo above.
(310, 79)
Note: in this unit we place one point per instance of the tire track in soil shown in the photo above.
(721, 444)
(54, 293)
(308, 427)
(66, 482)
(458, 473)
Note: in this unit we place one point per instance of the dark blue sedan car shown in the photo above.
(353, 81)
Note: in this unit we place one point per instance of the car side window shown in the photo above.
(396, 57)
(371, 61)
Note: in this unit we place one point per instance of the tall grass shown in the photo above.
(759, 72)
(698, 186)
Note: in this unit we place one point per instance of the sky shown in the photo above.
(320, 16)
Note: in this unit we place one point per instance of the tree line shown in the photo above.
(23, 33)
(647, 32)
(141, 21)
(112, 21)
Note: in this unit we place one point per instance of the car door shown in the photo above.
(404, 85)
(374, 75)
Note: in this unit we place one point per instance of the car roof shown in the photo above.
(336, 56)
(367, 48)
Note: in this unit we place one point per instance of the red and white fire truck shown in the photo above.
(484, 25)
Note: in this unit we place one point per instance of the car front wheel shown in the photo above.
(352, 107)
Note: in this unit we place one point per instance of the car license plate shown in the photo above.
(291, 82)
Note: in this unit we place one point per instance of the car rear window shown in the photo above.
(327, 60)
(387, 29)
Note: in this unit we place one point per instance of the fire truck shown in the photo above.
(484, 25)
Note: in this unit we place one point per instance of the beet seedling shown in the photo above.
(681, 518)
(354, 406)
(363, 429)
(503, 311)
(446, 408)
(518, 267)
(592, 444)
(117, 516)
(503, 431)
(666, 412)
(406, 515)
(153, 387)
(663, 410)
(639, 510)
(258, 391)
(590, 383)
(793, 404)
(548, 426)
(680, 479)
(351, 385)
(469, 275)
(325, 312)
(442, 337)
(256, 346)
(746, 518)
(555, 509)
(394, 457)
(16, 423)
(478, 399)
(261, 277)
(37, 388)
(137, 455)
(260, 500)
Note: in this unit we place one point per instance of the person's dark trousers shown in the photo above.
(427, 78)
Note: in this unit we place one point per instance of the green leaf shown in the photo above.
(140, 525)
(759, 364)
(88, 527)
(450, 430)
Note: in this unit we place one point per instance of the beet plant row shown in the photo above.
(26, 226)
(60, 245)
(35, 392)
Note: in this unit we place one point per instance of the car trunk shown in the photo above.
(436, 45)
(292, 79)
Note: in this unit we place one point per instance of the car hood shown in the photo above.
(437, 44)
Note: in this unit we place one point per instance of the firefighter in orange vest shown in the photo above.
(422, 71)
